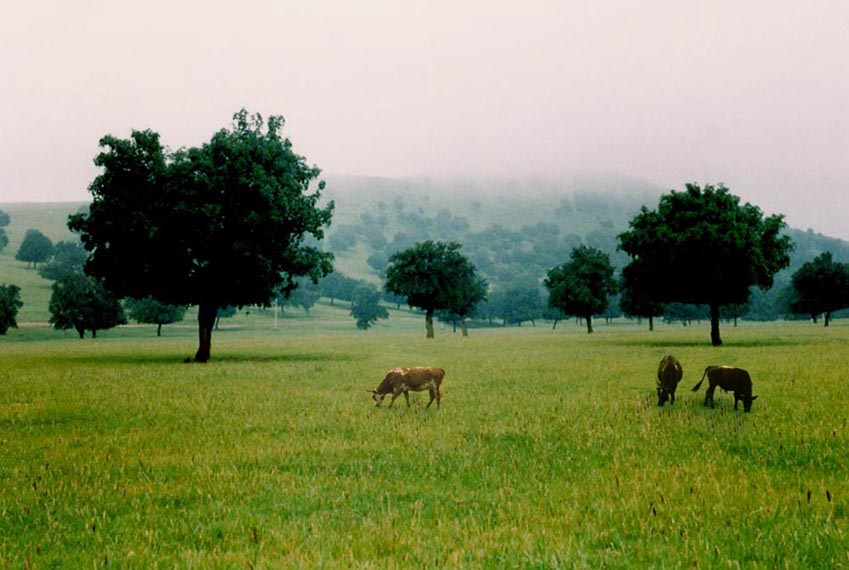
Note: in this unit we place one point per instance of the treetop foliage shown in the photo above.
(226, 223)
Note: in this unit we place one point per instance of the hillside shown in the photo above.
(512, 230)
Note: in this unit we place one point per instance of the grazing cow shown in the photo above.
(730, 379)
(669, 373)
(405, 378)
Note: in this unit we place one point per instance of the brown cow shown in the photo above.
(669, 373)
(405, 378)
(730, 379)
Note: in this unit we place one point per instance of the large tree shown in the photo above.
(434, 276)
(35, 248)
(10, 302)
(820, 286)
(583, 285)
(81, 303)
(701, 246)
(223, 224)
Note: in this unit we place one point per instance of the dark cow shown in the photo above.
(669, 373)
(730, 379)
(405, 378)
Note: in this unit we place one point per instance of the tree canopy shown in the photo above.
(701, 246)
(820, 287)
(222, 224)
(149, 310)
(366, 307)
(5, 220)
(35, 248)
(81, 303)
(10, 302)
(434, 276)
(582, 286)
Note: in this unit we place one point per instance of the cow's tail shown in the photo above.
(699, 385)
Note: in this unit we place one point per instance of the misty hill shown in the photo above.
(513, 230)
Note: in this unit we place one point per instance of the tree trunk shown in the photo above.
(589, 324)
(715, 339)
(651, 324)
(80, 331)
(429, 323)
(159, 329)
(93, 333)
(206, 323)
(463, 327)
(827, 317)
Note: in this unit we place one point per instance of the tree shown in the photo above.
(10, 302)
(304, 295)
(520, 303)
(68, 257)
(582, 286)
(433, 276)
(636, 300)
(81, 303)
(366, 307)
(149, 310)
(35, 248)
(222, 224)
(820, 286)
(5, 220)
(702, 247)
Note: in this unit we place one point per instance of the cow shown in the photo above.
(730, 379)
(405, 378)
(669, 373)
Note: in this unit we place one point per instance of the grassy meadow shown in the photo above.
(549, 450)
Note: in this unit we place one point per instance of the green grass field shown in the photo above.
(549, 450)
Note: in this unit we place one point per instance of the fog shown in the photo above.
(752, 94)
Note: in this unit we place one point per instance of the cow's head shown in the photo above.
(662, 395)
(377, 397)
(747, 402)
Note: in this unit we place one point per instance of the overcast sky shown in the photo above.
(754, 94)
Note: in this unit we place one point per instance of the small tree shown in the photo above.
(151, 311)
(820, 286)
(583, 285)
(79, 302)
(432, 276)
(5, 220)
(304, 295)
(35, 248)
(366, 307)
(636, 300)
(10, 302)
(68, 257)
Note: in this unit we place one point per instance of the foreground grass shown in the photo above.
(549, 451)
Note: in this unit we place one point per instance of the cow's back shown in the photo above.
(669, 372)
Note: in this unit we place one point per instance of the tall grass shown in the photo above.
(549, 451)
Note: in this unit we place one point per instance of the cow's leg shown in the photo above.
(432, 392)
(736, 399)
(672, 397)
(709, 396)
(407, 397)
(395, 394)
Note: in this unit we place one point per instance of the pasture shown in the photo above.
(549, 451)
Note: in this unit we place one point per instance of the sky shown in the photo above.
(753, 94)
